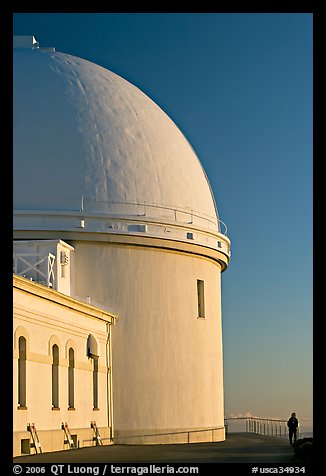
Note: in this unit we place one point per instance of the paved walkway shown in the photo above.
(238, 448)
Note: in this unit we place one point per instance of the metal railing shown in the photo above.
(263, 426)
(267, 426)
(86, 205)
(35, 266)
(187, 436)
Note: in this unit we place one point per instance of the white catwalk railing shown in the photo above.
(35, 266)
(262, 426)
(86, 205)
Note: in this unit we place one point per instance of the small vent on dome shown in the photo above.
(25, 42)
(30, 42)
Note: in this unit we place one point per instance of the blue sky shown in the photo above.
(239, 86)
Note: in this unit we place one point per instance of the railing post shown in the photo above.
(50, 270)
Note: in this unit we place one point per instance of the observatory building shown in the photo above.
(118, 255)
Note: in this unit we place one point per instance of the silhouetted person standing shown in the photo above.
(293, 425)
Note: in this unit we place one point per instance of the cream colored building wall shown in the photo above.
(44, 322)
(167, 363)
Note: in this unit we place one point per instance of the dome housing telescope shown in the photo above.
(101, 166)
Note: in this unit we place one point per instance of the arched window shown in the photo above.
(55, 376)
(92, 352)
(95, 383)
(71, 379)
(22, 372)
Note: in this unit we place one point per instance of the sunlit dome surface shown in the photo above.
(86, 139)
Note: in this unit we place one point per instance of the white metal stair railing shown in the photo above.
(34, 263)
(97, 437)
(69, 438)
(36, 442)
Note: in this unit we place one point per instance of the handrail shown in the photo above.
(188, 433)
(140, 209)
(263, 426)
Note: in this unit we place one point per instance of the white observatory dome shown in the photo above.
(113, 207)
(90, 145)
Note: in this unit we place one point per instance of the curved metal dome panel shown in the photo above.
(86, 139)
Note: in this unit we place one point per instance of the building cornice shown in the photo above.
(44, 292)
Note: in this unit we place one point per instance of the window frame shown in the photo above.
(22, 383)
(55, 377)
(201, 311)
